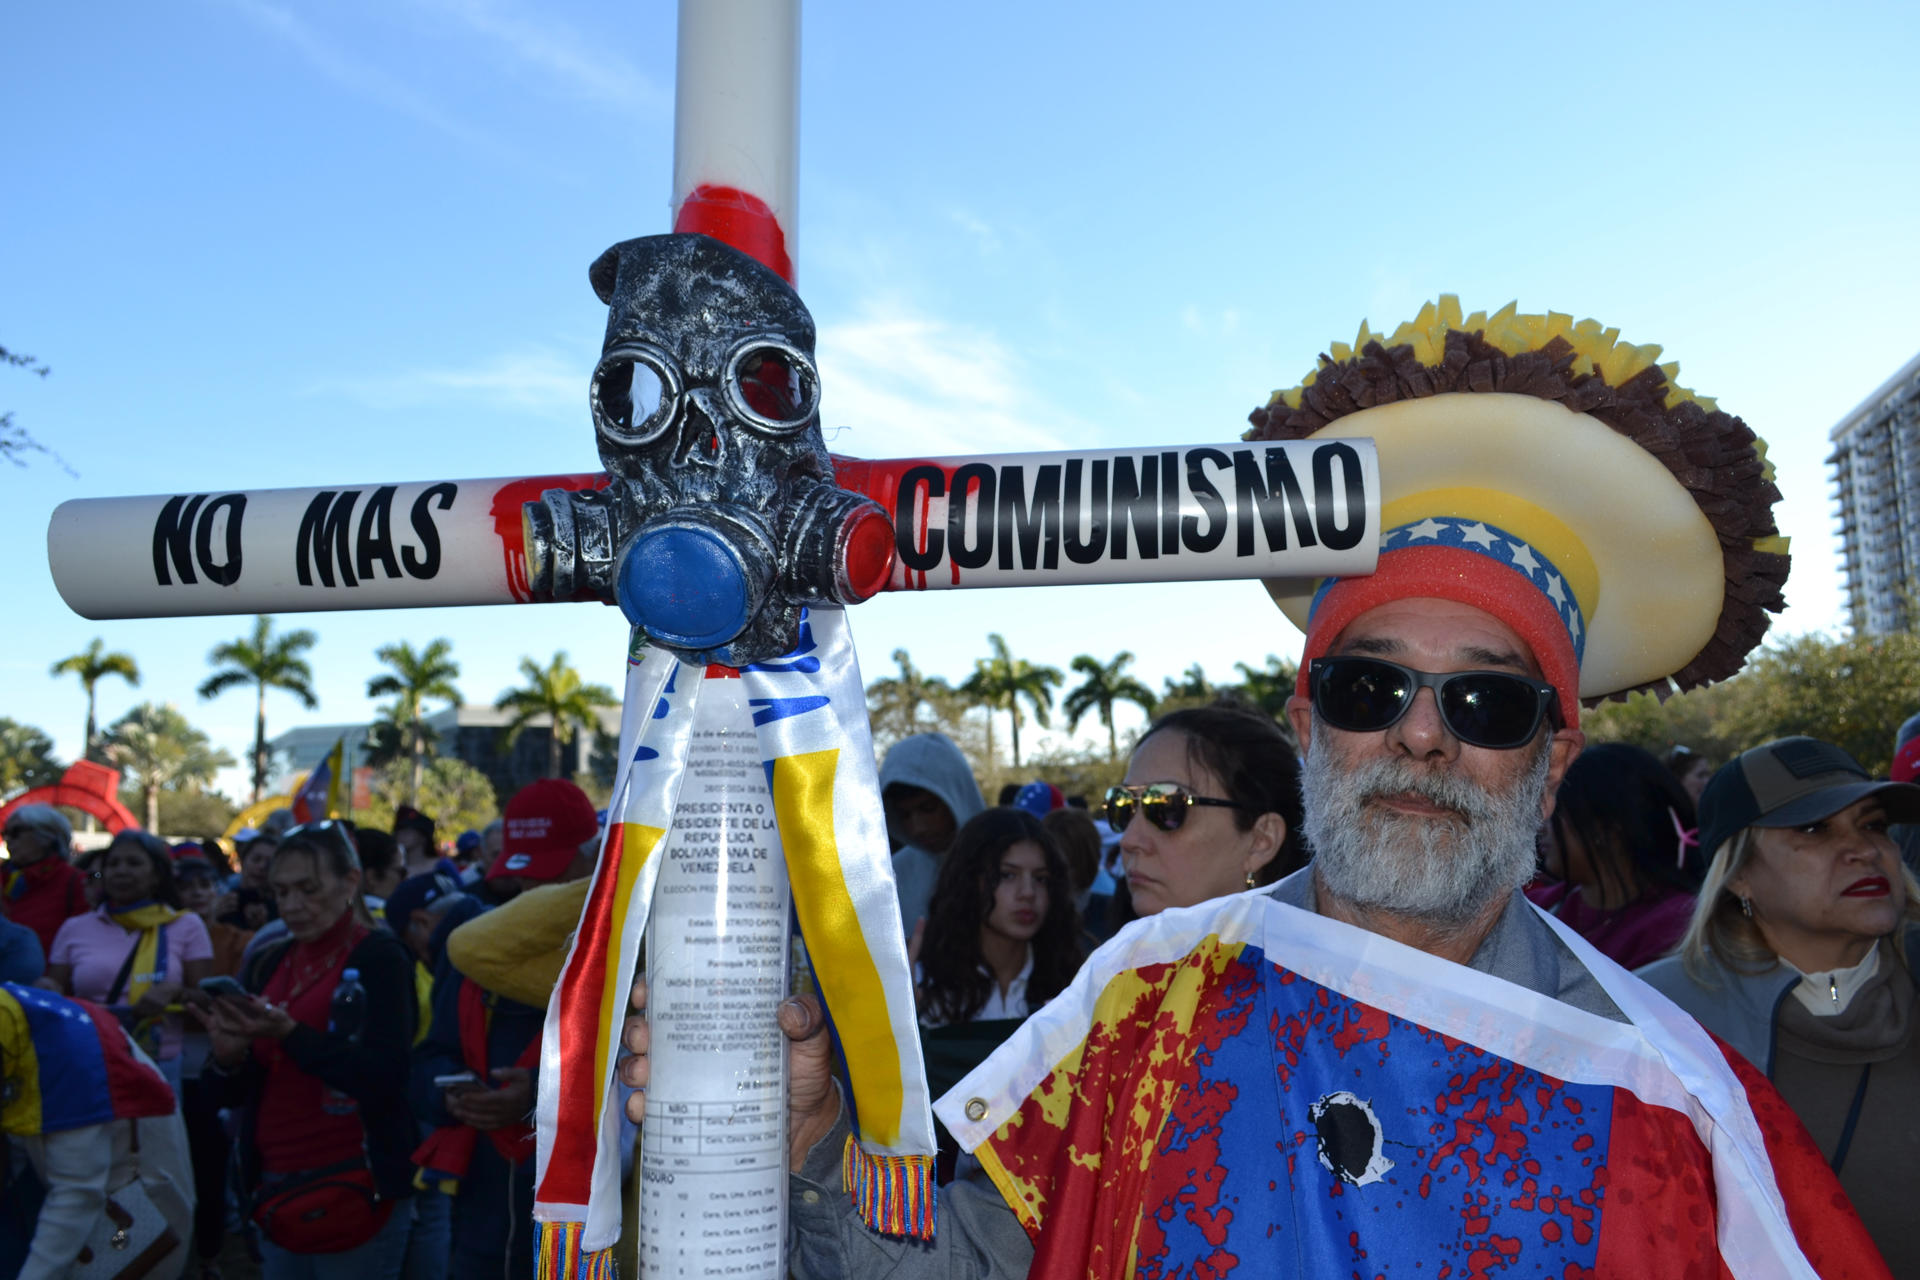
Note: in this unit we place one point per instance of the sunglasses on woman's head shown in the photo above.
(1497, 710)
(1163, 804)
(326, 831)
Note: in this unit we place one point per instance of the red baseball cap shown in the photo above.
(546, 823)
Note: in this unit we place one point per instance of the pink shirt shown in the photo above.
(96, 947)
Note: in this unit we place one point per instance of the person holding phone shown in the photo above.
(320, 1083)
(474, 1075)
(198, 886)
(137, 952)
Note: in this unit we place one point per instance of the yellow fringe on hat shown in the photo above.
(1596, 349)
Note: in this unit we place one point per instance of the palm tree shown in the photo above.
(155, 747)
(1000, 682)
(265, 661)
(1192, 685)
(415, 677)
(1105, 684)
(26, 758)
(556, 691)
(390, 740)
(93, 666)
(1269, 688)
(895, 701)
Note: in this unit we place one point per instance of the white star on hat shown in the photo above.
(1523, 558)
(1478, 534)
(1555, 592)
(1573, 625)
(1427, 530)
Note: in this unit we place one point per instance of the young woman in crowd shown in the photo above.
(1210, 806)
(198, 885)
(137, 952)
(325, 1129)
(382, 867)
(1079, 840)
(1801, 955)
(1691, 768)
(1621, 857)
(249, 903)
(1002, 938)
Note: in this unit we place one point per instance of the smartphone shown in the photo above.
(221, 985)
(458, 1077)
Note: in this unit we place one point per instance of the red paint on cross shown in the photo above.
(735, 218)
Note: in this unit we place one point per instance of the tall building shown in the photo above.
(1875, 467)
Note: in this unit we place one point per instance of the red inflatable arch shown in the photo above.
(86, 786)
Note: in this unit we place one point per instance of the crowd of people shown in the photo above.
(387, 1132)
(1778, 912)
(286, 1059)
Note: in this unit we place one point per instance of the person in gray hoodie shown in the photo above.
(928, 789)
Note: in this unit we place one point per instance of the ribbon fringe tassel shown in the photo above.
(894, 1195)
(557, 1255)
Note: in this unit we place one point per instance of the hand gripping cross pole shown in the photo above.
(732, 541)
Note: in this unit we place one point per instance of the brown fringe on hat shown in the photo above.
(1712, 453)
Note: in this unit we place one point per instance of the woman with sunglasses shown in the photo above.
(1210, 806)
(1802, 954)
(326, 1131)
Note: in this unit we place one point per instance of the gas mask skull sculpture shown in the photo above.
(722, 519)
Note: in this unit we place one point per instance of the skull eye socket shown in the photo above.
(773, 386)
(633, 393)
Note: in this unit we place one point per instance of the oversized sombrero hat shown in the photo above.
(1541, 469)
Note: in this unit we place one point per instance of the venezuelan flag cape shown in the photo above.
(66, 1064)
(808, 712)
(1248, 1089)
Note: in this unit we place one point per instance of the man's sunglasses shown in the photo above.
(1163, 804)
(1493, 709)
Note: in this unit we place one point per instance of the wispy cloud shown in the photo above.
(535, 380)
(903, 383)
(355, 75)
(1214, 324)
(568, 61)
(984, 237)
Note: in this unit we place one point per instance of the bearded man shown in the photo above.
(1390, 1062)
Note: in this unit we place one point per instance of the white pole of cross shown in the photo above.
(712, 1166)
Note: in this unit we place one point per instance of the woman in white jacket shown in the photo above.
(91, 1114)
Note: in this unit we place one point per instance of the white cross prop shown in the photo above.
(713, 1152)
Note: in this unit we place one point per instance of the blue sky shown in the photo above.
(264, 244)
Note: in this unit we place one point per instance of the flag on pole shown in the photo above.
(319, 796)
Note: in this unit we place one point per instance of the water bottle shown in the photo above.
(345, 1017)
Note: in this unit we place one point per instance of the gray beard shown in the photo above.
(1440, 871)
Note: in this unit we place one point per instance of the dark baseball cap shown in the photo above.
(1790, 782)
(432, 892)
